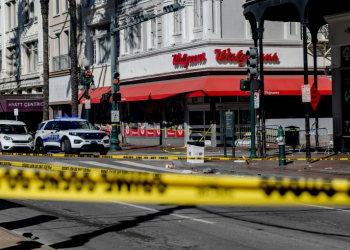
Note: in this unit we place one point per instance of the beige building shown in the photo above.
(60, 93)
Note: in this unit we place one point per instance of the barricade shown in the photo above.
(323, 139)
(170, 189)
(243, 134)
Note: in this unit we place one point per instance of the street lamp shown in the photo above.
(86, 80)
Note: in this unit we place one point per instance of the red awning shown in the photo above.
(95, 95)
(218, 86)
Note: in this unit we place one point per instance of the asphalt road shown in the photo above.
(115, 225)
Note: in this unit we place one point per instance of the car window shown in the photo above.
(13, 129)
(41, 125)
(66, 125)
(49, 125)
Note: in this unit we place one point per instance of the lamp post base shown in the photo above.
(114, 140)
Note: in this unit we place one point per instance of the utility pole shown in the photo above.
(45, 15)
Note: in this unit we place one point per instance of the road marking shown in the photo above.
(136, 164)
(62, 164)
(329, 208)
(158, 211)
(99, 164)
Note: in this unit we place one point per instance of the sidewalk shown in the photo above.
(325, 169)
(11, 241)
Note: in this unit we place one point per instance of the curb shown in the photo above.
(20, 242)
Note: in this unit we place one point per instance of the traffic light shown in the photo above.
(116, 81)
(245, 85)
(172, 7)
(117, 97)
(141, 18)
(252, 62)
(256, 85)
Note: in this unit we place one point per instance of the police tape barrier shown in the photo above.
(154, 157)
(169, 189)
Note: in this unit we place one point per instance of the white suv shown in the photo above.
(14, 136)
(70, 135)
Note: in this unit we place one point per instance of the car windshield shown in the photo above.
(13, 129)
(65, 125)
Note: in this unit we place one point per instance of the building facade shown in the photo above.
(181, 72)
(21, 59)
(60, 89)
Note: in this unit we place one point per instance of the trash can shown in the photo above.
(195, 149)
(292, 136)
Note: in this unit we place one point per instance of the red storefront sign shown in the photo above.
(150, 132)
(134, 132)
(142, 132)
(240, 57)
(157, 132)
(180, 132)
(127, 131)
(170, 133)
(179, 59)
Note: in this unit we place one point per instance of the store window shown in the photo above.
(208, 118)
(174, 112)
(196, 118)
(244, 117)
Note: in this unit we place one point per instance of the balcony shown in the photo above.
(61, 62)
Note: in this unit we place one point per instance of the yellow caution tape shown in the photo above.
(154, 157)
(169, 189)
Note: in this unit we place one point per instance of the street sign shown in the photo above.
(315, 97)
(229, 123)
(305, 93)
(15, 111)
(87, 104)
(115, 116)
(256, 100)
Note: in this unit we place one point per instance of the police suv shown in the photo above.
(70, 135)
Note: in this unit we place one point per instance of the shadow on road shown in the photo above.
(25, 245)
(28, 222)
(8, 205)
(81, 239)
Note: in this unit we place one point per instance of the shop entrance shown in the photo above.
(199, 123)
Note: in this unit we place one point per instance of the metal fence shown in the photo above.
(322, 138)
(243, 134)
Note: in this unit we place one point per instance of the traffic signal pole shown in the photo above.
(114, 136)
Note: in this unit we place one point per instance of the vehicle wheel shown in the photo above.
(0, 148)
(39, 147)
(104, 152)
(65, 147)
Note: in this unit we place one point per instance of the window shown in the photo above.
(101, 45)
(12, 60)
(29, 91)
(138, 36)
(177, 21)
(198, 13)
(32, 55)
(153, 32)
(3, 93)
(11, 13)
(57, 7)
(66, 4)
(39, 90)
(49, 125)
(19, 92)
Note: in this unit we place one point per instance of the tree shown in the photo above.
(45, 16)
(73, 54)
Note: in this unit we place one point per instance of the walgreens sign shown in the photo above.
(179, 59)
(240, 57)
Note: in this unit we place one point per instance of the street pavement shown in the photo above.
(116, 225)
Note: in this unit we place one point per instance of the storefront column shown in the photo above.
(167, 23)
(187, 21)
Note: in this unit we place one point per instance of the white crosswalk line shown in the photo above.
(136, 164)
(58, 163)
(104, 165)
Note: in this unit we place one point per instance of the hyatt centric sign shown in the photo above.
(21, 105)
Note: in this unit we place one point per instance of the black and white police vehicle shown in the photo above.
(70, 135)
